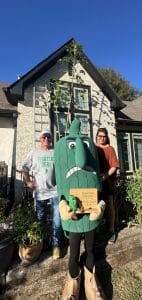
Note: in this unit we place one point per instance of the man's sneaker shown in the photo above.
(56, 252)
(112, 238)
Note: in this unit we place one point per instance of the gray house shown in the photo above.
(129, 136)
(51, 95)
(8, 125)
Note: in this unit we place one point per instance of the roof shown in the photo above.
(5, 106)
(17, 88)
(132, 110)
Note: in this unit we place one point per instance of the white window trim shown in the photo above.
(86, 94)
(127, 134)
(133, 134)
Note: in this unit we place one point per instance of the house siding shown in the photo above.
(102, 115)
(130, 127)
(7, 151)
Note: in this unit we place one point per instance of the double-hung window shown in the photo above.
(124, 152)
(137, 144)
(71, 101)
(130, 151)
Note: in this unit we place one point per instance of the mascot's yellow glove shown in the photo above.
(97, 213)
(65, 211)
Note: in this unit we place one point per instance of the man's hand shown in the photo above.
(27, 179)
(65, 211)
(97, 213)
(31, 184)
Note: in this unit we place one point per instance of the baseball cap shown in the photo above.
(45, 132)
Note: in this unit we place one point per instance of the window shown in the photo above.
(84, 119)
(61, 122)
(124, 152)
(70, 101)
(137, 141)
(81, 98)
(130, 154)
(63, 96)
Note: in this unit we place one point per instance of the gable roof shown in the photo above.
(16, 89)
(5, 106)
(132, 111)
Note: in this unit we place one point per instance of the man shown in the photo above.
(40, 161)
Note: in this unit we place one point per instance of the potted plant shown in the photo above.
(6, 242)
(28, 232)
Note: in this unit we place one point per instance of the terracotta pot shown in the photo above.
(30, 252)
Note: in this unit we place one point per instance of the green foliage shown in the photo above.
(125, 208)
(4, 220)
(74, 55)
(61, 95)
(26, 229)
(128, 197)
(3, 204)
(34, 235)
(134, 194)
(120, 85)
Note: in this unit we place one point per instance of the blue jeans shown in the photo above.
(41, 212)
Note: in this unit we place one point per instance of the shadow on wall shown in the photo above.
(22, 193)
(3, 178)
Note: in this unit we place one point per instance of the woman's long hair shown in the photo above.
(104, 130)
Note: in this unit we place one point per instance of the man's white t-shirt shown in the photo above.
(41, 165)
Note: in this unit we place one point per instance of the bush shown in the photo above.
(26, 228)
(5, 220)
(124, 208)
(134, 194)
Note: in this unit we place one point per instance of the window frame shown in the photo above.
(135, 161)
(73, 110)
(131, 146)
(121, 158)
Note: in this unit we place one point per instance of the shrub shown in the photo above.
(3, 205)
(134, 194)
(5, 220)
(124, 208)
(26, 228)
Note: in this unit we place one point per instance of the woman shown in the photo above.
(108, 167)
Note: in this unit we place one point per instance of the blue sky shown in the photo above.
(110, 32)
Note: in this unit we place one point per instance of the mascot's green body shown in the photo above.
(76, 167)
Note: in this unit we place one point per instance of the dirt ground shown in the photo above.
(118, 266)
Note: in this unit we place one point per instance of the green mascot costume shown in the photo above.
(77, 171)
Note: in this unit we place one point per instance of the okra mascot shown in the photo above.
(76, 167)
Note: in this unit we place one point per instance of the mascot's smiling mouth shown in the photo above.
(75, 169)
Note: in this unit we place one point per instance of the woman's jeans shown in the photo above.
(41, 212)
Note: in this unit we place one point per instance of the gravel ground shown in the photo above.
(119, 270)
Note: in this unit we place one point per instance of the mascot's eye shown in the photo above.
(86, 143)
(72, 145)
